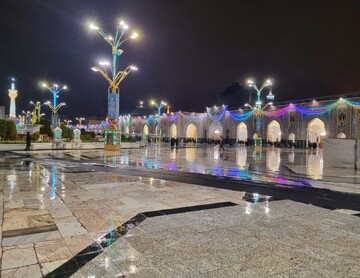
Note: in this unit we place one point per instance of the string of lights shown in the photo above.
(316, 110)
(217, 117)
(242, 116)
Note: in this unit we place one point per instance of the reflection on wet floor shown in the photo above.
(289, 167)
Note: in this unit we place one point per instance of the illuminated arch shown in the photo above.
(341, 135)
(191, 131)
(127, 131)
(215, 129)
(146, 130)
(316, 131)
(173, 131)
(241, 132)
(274, 131)
(292, 137)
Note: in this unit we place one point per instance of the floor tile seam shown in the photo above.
(122, 230)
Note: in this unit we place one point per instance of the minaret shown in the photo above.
(12, 95)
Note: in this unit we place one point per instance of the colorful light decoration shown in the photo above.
(316, 110)
(241, 116)
(218, 117)
(238, 116)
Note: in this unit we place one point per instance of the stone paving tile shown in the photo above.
(19, 256)
(87, 205)
(32, 271)
(50, 251)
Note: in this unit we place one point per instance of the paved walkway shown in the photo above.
(63, 213)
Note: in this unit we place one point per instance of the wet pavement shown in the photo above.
(65, 212)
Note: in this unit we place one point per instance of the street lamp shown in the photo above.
(26, 117)
(80, 120)
(36, 114)
(55, 90)
(122, 35)
(54, 109)
(158, 106)
(68, 122)
(258, 108)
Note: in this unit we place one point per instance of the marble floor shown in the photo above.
(73, 213)
(293, 167)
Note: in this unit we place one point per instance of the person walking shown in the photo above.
(28, 141)
(221, 144)
(177, 142)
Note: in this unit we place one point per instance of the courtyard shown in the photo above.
(186, 212)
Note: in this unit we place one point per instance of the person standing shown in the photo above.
(221, 144)
(177, 142)
(28, 141)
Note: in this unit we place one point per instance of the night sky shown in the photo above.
(189, 51)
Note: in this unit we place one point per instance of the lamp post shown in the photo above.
(80, 120)
(55, 90)
(258, 108)
(27, 117)
(54, 109)
(158, 106)
(36, 114)
(121, 36)
(68, 122)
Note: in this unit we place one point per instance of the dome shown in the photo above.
(140, 111)
(234, 96)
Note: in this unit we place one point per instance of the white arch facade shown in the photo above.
(173, 131)
(191, 131)
(146, 130)
(215, 129)
(292, 137)
(241, 132)
(316, 131)
(274, 131)
(341, 135)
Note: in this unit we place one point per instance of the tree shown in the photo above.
(46, 128)
(35, 136)
(11, 131)
(3, 128)
(66, 132)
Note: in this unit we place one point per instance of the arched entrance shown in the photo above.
(241, 133)
(274, 132)
(173, 131)
(292, 137)
(191, 131)
(316, 131)
(216, 130)
(127, 130)
(145, 130)
(341, 135)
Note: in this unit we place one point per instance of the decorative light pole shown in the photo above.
(36, 114)
(258, 108)
(80, 120)
(121, 36)
(27, 117)
(68, 122)
(112, 134)
(158, 106)
(54, 109)
(55, 90)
